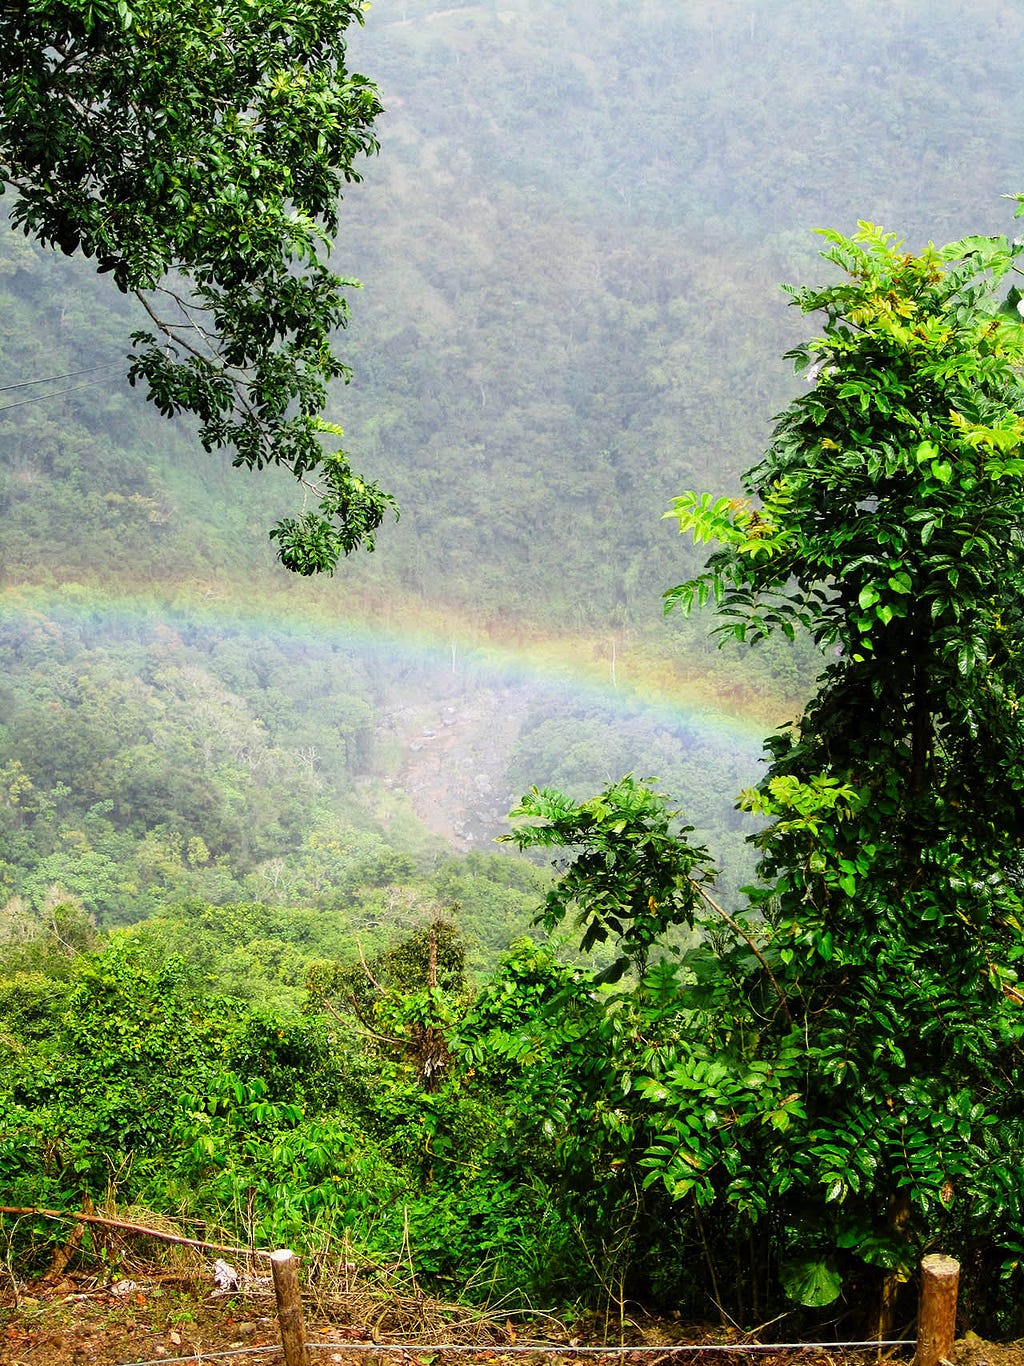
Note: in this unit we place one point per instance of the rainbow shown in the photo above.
(619, 676)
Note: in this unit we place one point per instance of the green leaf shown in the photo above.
(868, 596)
(942, 470)
(811, 1282)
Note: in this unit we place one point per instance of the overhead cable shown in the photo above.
(57, 393)
(52, 379)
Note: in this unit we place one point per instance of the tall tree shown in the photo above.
(198, 152)
(887, 519)
(841, 1064)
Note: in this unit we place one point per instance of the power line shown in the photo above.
(58, 393)
(52, 379)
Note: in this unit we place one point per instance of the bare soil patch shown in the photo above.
(166, 1318)
(974, 1351)
(67, 1325)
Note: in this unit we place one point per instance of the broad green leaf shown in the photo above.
(868, 596)
(811, 1282)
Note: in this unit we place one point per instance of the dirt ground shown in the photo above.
(145, 1321)
(974, 1351)
(167, 1319)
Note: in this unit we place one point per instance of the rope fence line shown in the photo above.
(543, 1349)
(566, 1349)
(936, 1324)
(203, 1356)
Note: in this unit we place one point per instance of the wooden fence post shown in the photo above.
(285, 1266)
(936, 1314)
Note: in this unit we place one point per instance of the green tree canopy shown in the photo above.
(886, 518)
(198, 152)
(844, 1068)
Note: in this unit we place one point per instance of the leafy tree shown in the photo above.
(633, 876)
(403, 997)
(198, 154)
(668, 1072)
(888, 524)
(831, 1081)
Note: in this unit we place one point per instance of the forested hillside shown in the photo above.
(247, 818)
(571, 246)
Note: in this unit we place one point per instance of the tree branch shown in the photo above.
(75, 1217)
(737, 928)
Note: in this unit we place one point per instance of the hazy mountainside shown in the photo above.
(571, 245)
(146, 758)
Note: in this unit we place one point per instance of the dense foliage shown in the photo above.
(752, 1108)
(887, 523)
(757, 1109)
(198, 154)
(384, 1107)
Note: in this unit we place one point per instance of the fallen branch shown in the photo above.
(366, 968)
(75, 1217)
